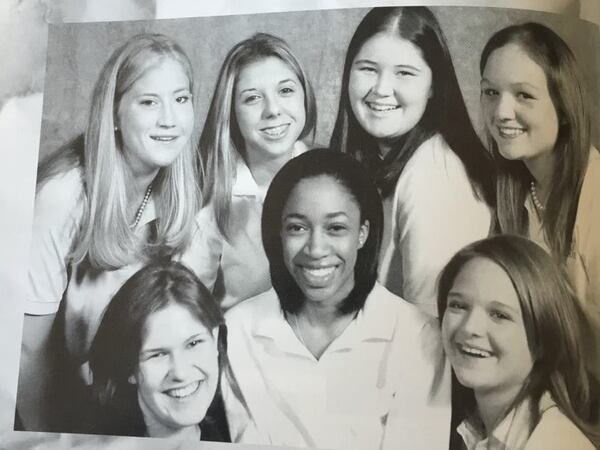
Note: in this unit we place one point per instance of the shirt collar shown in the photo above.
(372, 323)
(245, 186)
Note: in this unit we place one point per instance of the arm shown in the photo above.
(437, 214)
(203, 256)
(419, 418)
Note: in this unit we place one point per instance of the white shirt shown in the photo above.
(432, 214)
(377, 386)
(57, 218)
(237, 268)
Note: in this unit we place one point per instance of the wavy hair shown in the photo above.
(572, 147)
(554, 321)
(352, 176)
(445, 112)
(221, 143)
(114, 351)
(105, 239)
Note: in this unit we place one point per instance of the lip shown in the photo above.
(317, 275)
(513, 132)
(185, 392)
(164, 138)
(381, 108)
(275, 131)
(473, 351)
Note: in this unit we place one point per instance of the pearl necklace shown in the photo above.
(138, 214)
(534, 197)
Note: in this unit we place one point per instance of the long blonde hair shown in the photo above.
(105, 238)
(221, 143)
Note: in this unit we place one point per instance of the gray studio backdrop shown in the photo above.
(77, 52)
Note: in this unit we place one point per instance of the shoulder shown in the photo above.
(436, 154)
(588, 208)
(253, 310)
(556, 432)
(62, 194)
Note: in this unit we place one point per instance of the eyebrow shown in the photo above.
(396, 66)
(518, 84)
(155, 94)
(287, 80)
(328, 216)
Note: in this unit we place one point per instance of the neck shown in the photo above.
(319, 315)
(262, 168)
(542, 170)
(492, 405)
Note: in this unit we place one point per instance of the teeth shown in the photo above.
(510, 132)
(163, 138)
(475, 351)
(275, 131)
(382, 108)
(185, 391)
(321, 272)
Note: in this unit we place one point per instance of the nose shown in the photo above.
(272, 107)
(316, 245)
(383, 86)
(179, 367)
(166, 117)
(474, 323)
(504, 108)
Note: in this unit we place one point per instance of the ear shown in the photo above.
(131, 379)
(363, 234)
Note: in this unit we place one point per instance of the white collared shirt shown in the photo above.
(57, 217)
(375, 387)
(237, 268)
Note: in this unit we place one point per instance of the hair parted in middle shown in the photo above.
(106, 239)
(555, 324)
(445, 113)
(352, 176)
(221, 143)
(115, 349)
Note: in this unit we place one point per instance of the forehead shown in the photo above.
(483, 281)
(163, 73)
(170, 326)
(321, 193)
(390, 47)
(512, 64)
(265, 71)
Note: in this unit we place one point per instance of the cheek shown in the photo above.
(246, 118)
(357, 87)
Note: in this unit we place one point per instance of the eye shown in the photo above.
(456, 305)
(405, 73)
(489, 92)
(182, 99)
(337, 228)
(525, 95)
(148, 102)
(251, 99)
(499, 315)
(367, 69)
(294, 228)
(195, 342)
(287, 90)
(154, 355)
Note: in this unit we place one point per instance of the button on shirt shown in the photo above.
(236, 268)
(377, 386)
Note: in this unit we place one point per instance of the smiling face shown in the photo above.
(483, 330)
(517, 107)
(178, 369)
(269, 108)
(389, 87)
(156, 117)
(321, 235)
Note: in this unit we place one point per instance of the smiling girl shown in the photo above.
(512, 330)
(262, 108)
(402, 114)
(107, 204)
(328, 358)
(537, 117)
(157, 357)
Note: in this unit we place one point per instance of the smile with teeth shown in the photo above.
(382, 107)
(473, 351)
(510, 132)
(158, 138)
(317, 276)
(184, 392)
(276, 131)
